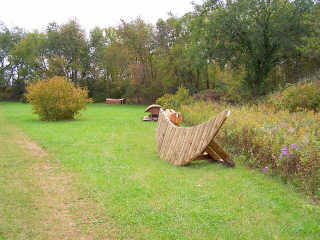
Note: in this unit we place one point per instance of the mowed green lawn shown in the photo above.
(114, 154)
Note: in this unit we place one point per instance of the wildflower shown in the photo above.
(293, 145)
(265, 169)
(284, 151)
(283, 124)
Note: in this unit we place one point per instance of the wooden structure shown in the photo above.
(115, 101)
(180, 146)
(154, 112)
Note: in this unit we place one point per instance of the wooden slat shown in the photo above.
(221, 153)
(186, 144)
(195, 141)
(161, 131)
(174, 152)
(221, 118)
(167, 140)
(213, 154)
(178, 145)
(203, 141)
(168, 151)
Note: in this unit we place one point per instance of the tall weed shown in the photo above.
(284, 143)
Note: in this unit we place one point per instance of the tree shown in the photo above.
(176, 58)
(8, 40)
(96, 80)
(110, 60)
(138, 38)
(9, 69)
(311, 42)
(257, 34)
(30, 55)
(68, 45)
(168, 53)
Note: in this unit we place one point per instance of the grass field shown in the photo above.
(112, 156)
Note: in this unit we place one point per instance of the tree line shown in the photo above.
(245, 48)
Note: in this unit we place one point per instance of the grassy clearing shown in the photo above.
(38, 197)
(114, 155)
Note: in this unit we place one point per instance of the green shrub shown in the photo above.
(57, 99)
(166, 101)
(299, 97)
(170, 101)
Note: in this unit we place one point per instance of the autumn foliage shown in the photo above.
(57, 99)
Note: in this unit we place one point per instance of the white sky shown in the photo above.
(36, 14)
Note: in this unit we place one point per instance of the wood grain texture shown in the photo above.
(181, 145)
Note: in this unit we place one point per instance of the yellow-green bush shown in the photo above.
(299, 97)
(171, 101)
(57, 99)
(283, 142)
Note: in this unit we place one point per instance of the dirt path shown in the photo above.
(70, 215)
(63, 210)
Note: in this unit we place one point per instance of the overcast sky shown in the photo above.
(36, 14)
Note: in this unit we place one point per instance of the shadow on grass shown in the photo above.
(205, 164)
(37, 120)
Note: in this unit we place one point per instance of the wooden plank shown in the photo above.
(218, 150)
(221, 118)
(221, 153)
(166, 142)
(195, 141)
(161, 131)
(204, 157)
(163, 123)
(180, 141)
(167, 154)
(186, 143)
(174, 148)
(213, 154)
(205, 138)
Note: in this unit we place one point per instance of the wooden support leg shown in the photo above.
(218, 154)
(204, 157)
(215, 157)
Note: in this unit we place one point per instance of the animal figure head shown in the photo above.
(174, 117)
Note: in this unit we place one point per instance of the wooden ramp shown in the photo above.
(182, 145)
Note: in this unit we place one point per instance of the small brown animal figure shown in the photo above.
(174, 117)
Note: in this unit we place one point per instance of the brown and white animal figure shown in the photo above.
(174, 117)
